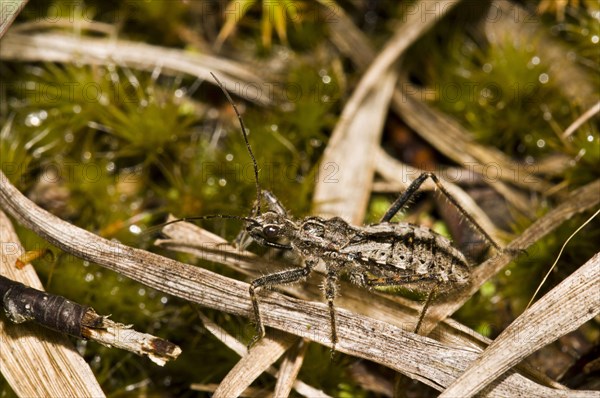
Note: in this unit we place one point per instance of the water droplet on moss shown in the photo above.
(134, 229)
(315, 143)
(33, 120)
(541, 143)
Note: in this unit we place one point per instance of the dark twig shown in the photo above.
(65, 373)
(22, 303)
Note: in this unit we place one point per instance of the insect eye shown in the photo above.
(271, 231)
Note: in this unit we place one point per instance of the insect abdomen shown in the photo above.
(410, 250)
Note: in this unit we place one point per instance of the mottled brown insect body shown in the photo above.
(401, 250)
(378, 255)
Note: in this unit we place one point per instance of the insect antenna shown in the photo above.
(255, 211)
(159, 227)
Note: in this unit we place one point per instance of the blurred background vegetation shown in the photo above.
(153, 143)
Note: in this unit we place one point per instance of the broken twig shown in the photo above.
(23, 303)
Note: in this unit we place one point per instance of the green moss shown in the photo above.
(529, 269)
(508, 96)
(378, 206)
(134, 150)
(581, 31)
(5, 390)
(129, 147)
(491, 90)
(330, 376)
(16, 159)
(505, 297)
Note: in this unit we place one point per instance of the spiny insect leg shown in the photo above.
(403, 280)
(330, 291)
(428, 302)
(403, 198)
(278, 278)
(415, 185)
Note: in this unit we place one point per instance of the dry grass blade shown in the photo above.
(421, 358)
(403, 313)
(358, 131)
(8, 13)
(239, 348)
(249, 392)
(35, 361)
(348, 38)
(347, 167)
(259, 359)
(578, 201)
(587, 115)
(221, 334)
(573, 302)
(451, 139)
(56, 47)
(577, 83)
(288, 372)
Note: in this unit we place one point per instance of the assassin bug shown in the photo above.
(379, 255)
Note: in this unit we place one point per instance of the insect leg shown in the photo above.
(403, 198)
(403, 280)
(330, 288)
(415, 185)
(278, 278)
(428, 302)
